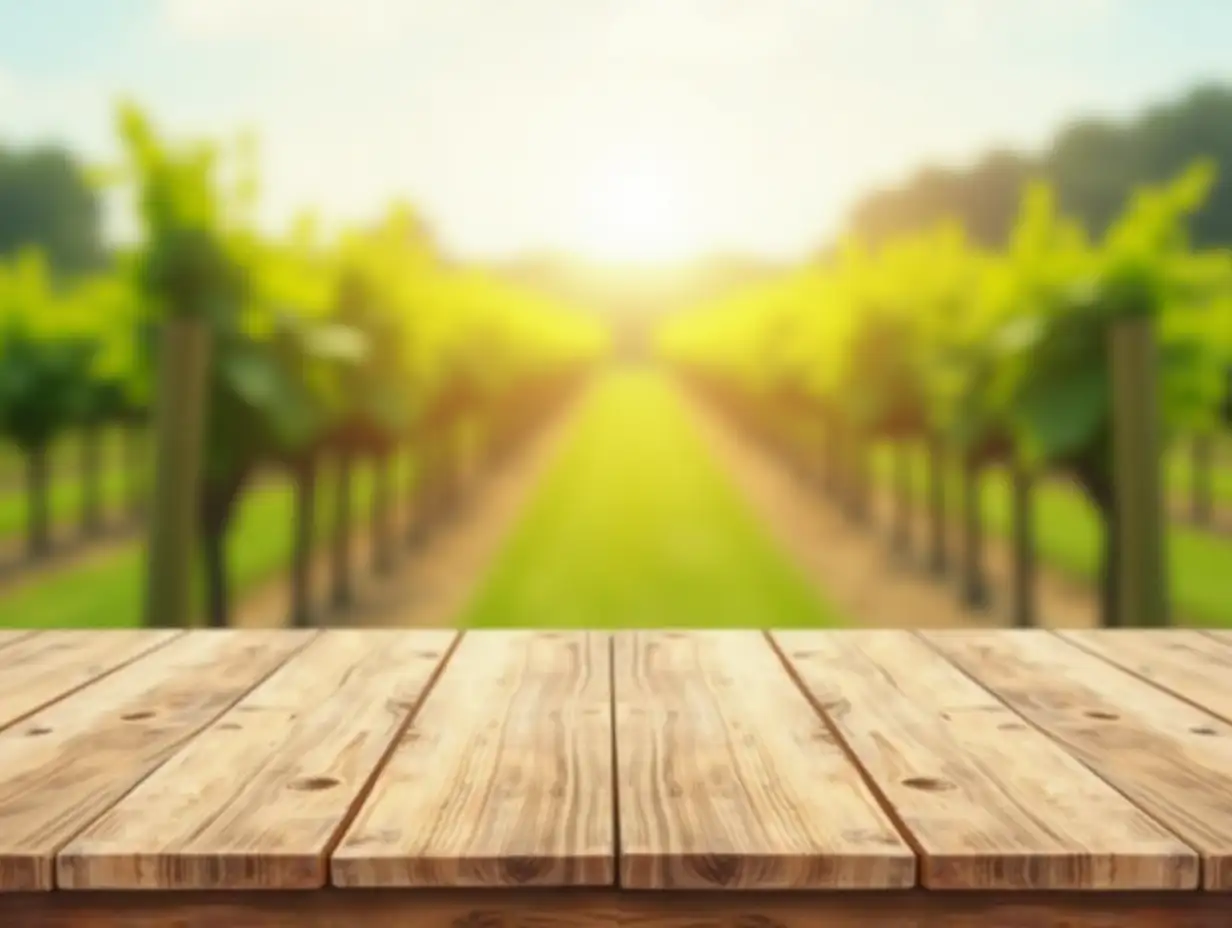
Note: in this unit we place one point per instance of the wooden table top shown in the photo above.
(943, 765)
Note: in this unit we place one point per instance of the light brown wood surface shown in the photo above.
(68, 763)
(13, 635)
(990, 801)
(574, 908)
(727, 777)
(1195, 666)
(39, 669)
(1168, 757)
(257, 799)
(503, 778)
(489, 778)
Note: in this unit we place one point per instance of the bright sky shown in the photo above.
(626, 128)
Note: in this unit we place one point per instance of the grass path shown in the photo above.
(854, 565)
(64, 504)
(106, 591)
(636, 525)
(1069, 538)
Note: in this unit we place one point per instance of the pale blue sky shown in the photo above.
(609, 124)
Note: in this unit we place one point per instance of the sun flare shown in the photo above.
(634, 209)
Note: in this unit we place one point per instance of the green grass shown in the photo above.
(1179, 469)
(65, 502)
(107, 592)
(636, 526)
(65, 494)
(1069, 537)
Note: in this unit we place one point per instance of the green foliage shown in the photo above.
(46, 203)
(67, 355)
(357, 340)
(928, 335)
(636, 525)
(189, 263)
(1095, 166)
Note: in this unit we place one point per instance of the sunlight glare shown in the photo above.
(634, 210)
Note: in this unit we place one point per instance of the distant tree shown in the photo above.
(46, 202)
(985, 198)
(1095, 165)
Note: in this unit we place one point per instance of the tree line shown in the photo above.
(1058, 352)
(1094, 165)
(248, 351)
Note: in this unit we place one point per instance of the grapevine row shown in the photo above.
(985, 356)
(306, 348)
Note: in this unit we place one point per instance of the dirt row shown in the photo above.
(432, 583)
(852, 566)
(71, 550)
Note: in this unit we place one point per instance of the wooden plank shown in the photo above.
(1167, 756)
(609, 908)
(1219, 634)
(991, 802)
(1185, 662)
(257, 799)
(39, 669)
(504, 777)
(10, 636)
(68, 763)
(1137, 455)
(727, 777)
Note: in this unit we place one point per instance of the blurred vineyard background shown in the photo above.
(1001, 395)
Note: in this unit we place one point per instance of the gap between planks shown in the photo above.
(714, 797)
(46, 667)
(1168, 756)
(709, 861)
(989, 802)
(1192, 665)
(503, 777)
(13, 635)
(260, 797)
(71, 761)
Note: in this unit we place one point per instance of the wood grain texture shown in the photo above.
(39, 669)
(990, 801)
(1167, 756)
(10, 636)
(503, 778)
(67, 764)
(257, 799)
(727, 778)
(1182, 661)
(525, 908)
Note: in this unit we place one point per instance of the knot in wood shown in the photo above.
(523, 869)
(756, 921)
(480, 919)
(719, 869)
(928, 784)
(313, 784)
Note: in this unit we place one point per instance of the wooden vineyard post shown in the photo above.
(938, 559)
(973, 586)
(1137, 474)
(1200, 468)
(183, 391)
(900, 531)
(1022, 485)
(135, 471)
